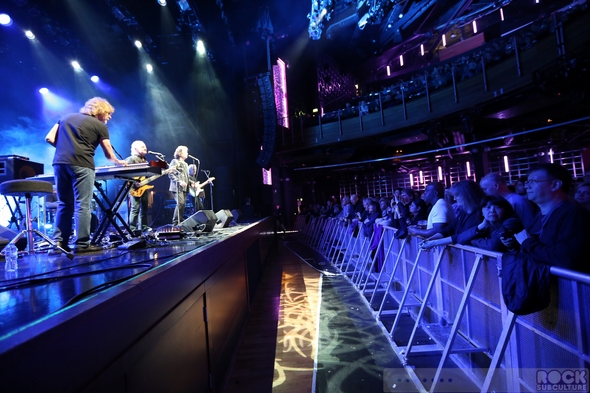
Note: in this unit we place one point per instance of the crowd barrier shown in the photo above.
(452, 295)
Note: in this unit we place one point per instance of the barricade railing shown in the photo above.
(453, 295)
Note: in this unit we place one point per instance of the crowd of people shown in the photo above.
(540, 215)
(439, 75)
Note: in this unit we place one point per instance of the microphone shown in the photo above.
(194, 158)
(155, 153)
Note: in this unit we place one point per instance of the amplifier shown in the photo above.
(16, 167)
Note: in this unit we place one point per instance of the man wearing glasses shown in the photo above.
(565, 224)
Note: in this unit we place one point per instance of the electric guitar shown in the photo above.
(139, 189)
(196, 187)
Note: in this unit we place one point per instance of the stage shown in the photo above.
(163, 315)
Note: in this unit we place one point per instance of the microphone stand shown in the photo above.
(207, 172)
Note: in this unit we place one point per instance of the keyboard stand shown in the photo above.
(111, 212)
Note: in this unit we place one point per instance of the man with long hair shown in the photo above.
(75, 138)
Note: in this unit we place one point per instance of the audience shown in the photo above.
(495, 184)
(489, 233)
(565, 224)
(582, 195)
(441, 213)
(469, 197)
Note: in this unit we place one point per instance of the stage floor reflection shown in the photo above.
(45, 284)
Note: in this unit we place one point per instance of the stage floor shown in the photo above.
(44, 284)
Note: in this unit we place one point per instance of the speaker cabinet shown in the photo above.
(196, 221)
(224, 218)
(16, 167)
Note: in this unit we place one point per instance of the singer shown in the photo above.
(179, 181)
(75, 138)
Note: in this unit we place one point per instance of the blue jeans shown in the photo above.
(75, 188)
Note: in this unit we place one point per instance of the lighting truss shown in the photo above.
(320, 9)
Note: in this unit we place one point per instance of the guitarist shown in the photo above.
(179, 183)
(192, 175)
(138, 205)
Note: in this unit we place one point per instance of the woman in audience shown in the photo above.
(468, 195)
(386, 213)
(417, 211)
(489, 233)
(371, 216)
(583, 195)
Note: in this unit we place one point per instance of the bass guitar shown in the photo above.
(196, 187)
(138, 189)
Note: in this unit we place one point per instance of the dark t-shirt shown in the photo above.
(78, 137)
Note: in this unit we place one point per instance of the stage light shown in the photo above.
(200, 47)
(474, 27)
(468, 170)
(444, 40)
(388, 71)
(149, 68)
(29, 34)
(76, 65)
(401, 60)
(5, 20)
(411, 180)
(94, 78)
(440, 173)
(422, 49)
(551, 155)
(506, 166)
(501, 14)
(138, 44)
(44, 90)
(162, 3)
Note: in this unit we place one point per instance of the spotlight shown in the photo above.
(29, 34)
(5, 20)
(162, 3)
(76, 65)
(200, 47)
(138, 44)
(43, 90)
(149, 68)
(94, 78)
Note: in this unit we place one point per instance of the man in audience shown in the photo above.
(495, 184)
(565, 224)
(441, 213)
(358, 207)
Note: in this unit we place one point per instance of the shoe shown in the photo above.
(56, 250)
(90, 248)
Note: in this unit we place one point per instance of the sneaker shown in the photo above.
(90, 248)
(56, 250)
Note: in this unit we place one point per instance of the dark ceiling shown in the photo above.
(235, 30)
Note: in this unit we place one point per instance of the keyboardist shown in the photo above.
(75, 138)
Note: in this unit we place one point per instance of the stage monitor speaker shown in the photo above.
(236, 213)
(224, 218)
(16, 167)
(196, 221)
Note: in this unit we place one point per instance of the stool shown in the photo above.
(28, 189)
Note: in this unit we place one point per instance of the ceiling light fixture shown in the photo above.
(5, 20)
(162, 3)
(29, 34)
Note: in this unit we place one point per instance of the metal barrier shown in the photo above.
(453, 295)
